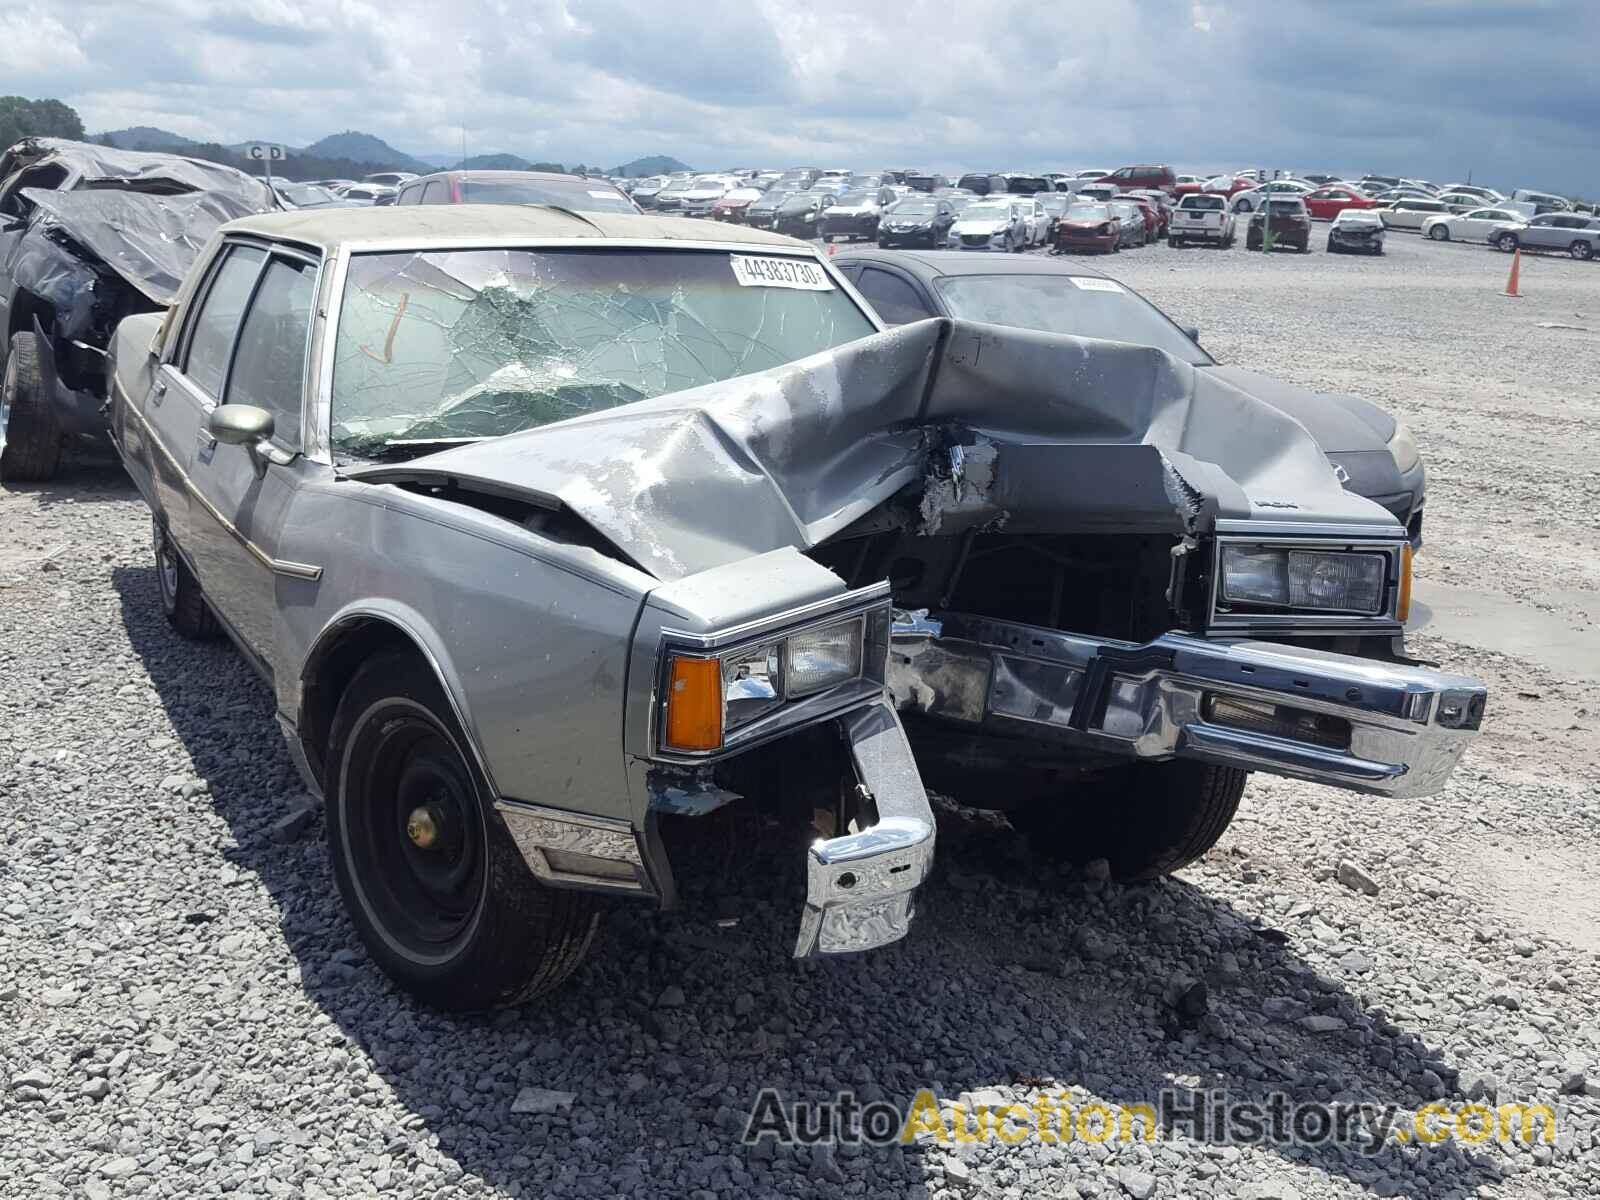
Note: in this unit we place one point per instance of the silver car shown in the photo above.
(553, 533)
(1573, 233)
(498, 702)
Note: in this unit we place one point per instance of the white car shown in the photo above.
(1485, 195)
(996, 223)
(1474, 226)
(1252, 198)
(1036, 219)
(1460, 202)
(1409, 212)
(1201, 217)
(703, 192)
(1099, 192)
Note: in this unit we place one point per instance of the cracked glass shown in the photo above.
(436, 347)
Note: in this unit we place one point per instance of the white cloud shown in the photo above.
(1365, 84)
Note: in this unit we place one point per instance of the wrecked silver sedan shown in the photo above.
(548, 529)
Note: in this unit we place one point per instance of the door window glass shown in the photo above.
(212, 337)
(895, 300)
(269, 367)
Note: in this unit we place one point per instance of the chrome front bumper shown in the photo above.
(1354, 723)
(859, 886)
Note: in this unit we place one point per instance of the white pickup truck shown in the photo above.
(1201, 217)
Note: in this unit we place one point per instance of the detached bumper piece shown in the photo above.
(1382, 728)
(859, 886)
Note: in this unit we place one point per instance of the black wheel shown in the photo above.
(30, 436)
(1175, 243)
(429, 873)
(1439, 233)
(1506, 242)
(1581, 250)
(1146, 820)
(181, 597)
(1331, 248)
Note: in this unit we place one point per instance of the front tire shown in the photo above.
(182, 599)
(429, 873)
(1581, 250)
(30, 435)
(1439, 233)
(1506, 242)
(1146, 820)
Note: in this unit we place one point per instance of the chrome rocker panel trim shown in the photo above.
(1408, 725)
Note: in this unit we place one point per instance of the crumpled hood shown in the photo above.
(1055, 434)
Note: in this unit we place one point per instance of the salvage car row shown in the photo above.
(551, 532)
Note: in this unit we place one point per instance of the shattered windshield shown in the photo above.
(450, 345)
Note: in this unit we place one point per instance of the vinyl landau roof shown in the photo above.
(419, 224)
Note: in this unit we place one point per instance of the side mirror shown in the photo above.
(240, 424)
(1192, 332)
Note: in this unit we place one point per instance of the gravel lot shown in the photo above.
(185, 1010)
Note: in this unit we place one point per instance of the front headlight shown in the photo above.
(1403, 446)
(709, 696)
(1321, 580)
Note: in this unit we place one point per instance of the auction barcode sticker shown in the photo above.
(1089, 283)
(779, 272)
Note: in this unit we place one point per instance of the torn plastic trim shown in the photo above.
(686, 792)
(77, 410)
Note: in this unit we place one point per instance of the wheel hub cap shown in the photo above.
(422, 827)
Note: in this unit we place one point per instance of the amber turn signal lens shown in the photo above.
(694, 704)
(1403, 608)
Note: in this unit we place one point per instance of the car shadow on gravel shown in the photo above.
(82, 477)
(1014, 978)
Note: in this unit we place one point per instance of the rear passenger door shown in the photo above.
(1544, 233)
(249, 345)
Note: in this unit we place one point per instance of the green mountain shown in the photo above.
(145, 137)
(363, 148)
(496, 162)
(655, 164)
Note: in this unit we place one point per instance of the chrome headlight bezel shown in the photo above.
(771, 702)
(1233, 612)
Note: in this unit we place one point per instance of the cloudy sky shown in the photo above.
(1503, 89)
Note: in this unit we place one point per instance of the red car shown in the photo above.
(1326, 203)
(1127, 179)
(1152, 217)
(1088, 227)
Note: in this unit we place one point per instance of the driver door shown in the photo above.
(249, 345)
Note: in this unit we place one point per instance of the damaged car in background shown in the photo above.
(88, 236)
(553, 533)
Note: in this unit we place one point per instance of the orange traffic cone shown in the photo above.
(1516, 272)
